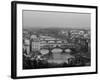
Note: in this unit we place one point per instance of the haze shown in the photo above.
(44, 19)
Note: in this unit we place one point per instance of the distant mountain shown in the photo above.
(56, 28)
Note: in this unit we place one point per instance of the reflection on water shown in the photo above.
(54, 58)
(57, 55)
(59, 58)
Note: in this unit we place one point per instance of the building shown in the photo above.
(35, 45)
(26, 46)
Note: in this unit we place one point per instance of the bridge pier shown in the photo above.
(50, 52)
(63, 51)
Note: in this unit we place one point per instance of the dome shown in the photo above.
(33, 36)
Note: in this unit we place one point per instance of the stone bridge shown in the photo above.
(62, 49)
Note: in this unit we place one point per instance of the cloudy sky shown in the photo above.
(46, 19)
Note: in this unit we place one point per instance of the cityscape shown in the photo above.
(56, 47)
(54, 39)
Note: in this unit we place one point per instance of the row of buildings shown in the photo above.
(35, 42)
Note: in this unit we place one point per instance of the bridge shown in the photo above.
(63, 48)
(53, 41)
(51, 44)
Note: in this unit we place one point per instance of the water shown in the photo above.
(59, 58)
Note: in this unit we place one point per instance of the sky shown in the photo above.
(47, 19)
